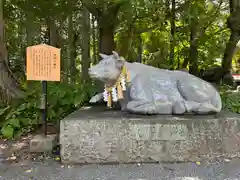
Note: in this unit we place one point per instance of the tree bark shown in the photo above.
(106, 23)
(173, 29)
(229, 52)
(53, 34)
(56, 40)
(9, 87)
(234, 25)
(106, 37)
(167, 7)
(106, 20)
(193, 59)
(185, 62)
(94, 39)
(85, 61)
(29, 28)
(126, 40)
(140, 49)
(71, 50)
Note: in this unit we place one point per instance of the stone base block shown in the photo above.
(41, 143)
(97, 135)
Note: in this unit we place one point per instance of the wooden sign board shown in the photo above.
(43, 63)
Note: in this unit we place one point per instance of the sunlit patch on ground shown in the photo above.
(15, 150)
(197, 178)
(187, 178)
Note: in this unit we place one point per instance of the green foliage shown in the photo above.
(147, 19)
(230, 100)
(24, 116)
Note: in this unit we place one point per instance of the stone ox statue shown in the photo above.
(156, 91)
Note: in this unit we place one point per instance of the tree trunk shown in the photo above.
(193, 61)
(97, 42)
(29, 28)
(106, 23)
(9, 87)
(140, 49)
(167, 9)
(18, 66)
(71, 50)
(106, 20)
(185, 62)
(94, 39)
(53, 35)
(126, 42)
(85, 61)
(178, 58)
(55, 40)
(234, 25)
(106, 37)
(229, 52)
(173, 29)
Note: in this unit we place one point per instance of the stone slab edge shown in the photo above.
(130, 140)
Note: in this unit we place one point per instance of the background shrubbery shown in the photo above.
(24, 116)
(175, 34)
(230, 100)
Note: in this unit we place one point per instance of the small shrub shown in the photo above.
(230, 100)
(24, 116)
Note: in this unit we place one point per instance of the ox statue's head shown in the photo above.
(108, 69)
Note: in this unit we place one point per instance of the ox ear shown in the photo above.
(115, 55)
(103, 55)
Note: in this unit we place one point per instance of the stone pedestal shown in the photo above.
(97, 135)
(41, 143)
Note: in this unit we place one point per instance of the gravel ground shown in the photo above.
(50, 170)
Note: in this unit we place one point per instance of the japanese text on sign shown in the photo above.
(43, 63)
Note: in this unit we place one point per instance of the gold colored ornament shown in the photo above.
(119, 91)
(124, 74)
(128, 76)
(109, 102)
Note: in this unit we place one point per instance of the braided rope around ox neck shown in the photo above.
(115, 92)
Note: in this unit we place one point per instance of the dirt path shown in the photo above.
(17, 151)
